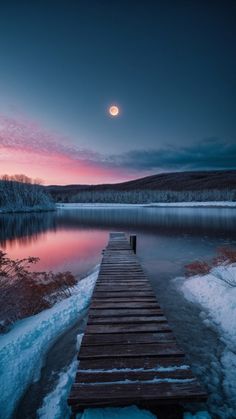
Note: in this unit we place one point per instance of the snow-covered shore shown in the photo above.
(22, 350)
(214, 294)
(213, 204)
(216, 297)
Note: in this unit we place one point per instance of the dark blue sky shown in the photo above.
(169, 65)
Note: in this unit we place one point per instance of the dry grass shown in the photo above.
(24, 292)
(197, 267)
(225, 255)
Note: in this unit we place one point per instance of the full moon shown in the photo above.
(114, 110)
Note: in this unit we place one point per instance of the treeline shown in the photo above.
(21, 193)
(147, 196)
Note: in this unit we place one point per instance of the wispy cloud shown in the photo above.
(26, 135)
(27, 148)
(211, 153)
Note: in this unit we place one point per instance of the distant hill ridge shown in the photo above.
(178, 181)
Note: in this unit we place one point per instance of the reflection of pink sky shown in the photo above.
(63, 249)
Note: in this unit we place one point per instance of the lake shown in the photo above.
(167, 239)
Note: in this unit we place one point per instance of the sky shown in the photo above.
(170, 67)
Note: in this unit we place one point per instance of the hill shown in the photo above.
(202, 185)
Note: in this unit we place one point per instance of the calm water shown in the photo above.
(167, 240)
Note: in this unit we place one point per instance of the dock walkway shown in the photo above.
(129, 354)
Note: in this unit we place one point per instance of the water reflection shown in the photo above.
(24, 229)
(216, 221)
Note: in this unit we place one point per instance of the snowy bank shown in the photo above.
(215, 295)
(22, 350)
(217, 299)
(55, 403)
(195, 204)
(207, 204)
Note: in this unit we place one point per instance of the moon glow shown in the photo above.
(114, 110)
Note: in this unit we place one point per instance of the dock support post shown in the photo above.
(133, 242)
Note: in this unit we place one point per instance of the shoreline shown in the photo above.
(197, 204)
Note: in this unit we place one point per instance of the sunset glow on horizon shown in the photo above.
(26, 148)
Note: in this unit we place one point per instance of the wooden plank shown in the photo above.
(83, 376)
(109, 262)
(112, 275)
(147, 349)
(126, 319)
(110, 279)
(127, 338)
(140, 362)
(125, 294)
(122, 278)
(129, 304)
(125, 312)
(123, 287)
(122, 282)
(130, 328)
(128, 272)
(120, 274)
(106, 394)
(142, 300)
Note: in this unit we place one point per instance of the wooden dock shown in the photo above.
(128, 354)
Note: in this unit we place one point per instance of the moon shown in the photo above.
(114, 110)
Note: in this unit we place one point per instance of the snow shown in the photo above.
(215, 295)
(191, 204)
(217, 298)
(153, 381)
(96, 206)
(198, 415)
(55, 403)
(131, 412)
(22, 350)
(156, 369)
(194, 204)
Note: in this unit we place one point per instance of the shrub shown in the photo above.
(197, 268)
(225, 255)
(24, 292)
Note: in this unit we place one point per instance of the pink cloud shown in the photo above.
(26, 148)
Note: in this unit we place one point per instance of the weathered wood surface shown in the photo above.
(128, 354)
(117, 394)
